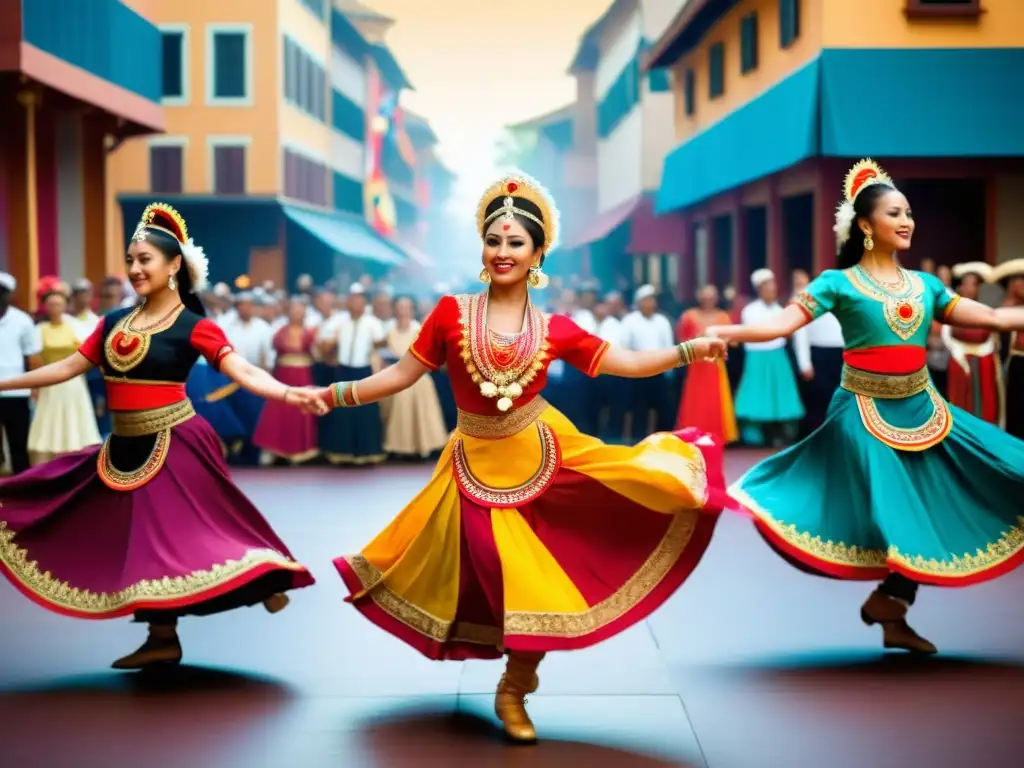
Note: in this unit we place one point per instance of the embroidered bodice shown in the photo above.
(876, 315)
(455, 334)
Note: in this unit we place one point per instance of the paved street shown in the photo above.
(751, 664)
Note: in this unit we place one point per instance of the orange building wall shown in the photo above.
(774, 62)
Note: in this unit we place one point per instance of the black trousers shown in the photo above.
(14, 420)
(651, 394)
(899, 586)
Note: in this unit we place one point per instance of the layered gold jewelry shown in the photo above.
(687, 353)
(338, 390)
(485, 276)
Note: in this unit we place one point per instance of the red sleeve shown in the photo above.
(578, 348)
(211, 342)
(92, 347)
(687, 328)
(429, 347)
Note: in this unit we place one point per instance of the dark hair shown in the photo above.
(533, 229)
(863, 205)
(53, 292)
(169, 246)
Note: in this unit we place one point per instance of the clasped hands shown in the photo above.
(710, 348)
(313, 400)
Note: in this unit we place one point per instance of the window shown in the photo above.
(748, 43)
(688, 93)
(229, 64)
(291, 70)
(305, 81)
(789, 22)
(947, 8)
(174, 41)
(347, 117)
(716, 70)
(304, 178)
(166, 168)
(227, 164)
(658, 81)
(316, 7)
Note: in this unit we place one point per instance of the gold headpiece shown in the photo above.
(517, 185)
(165, 218)
(863, 175)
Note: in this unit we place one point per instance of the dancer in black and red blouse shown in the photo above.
(149, 523)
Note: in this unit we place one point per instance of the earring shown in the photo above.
(485, 276)
(172, 283)
(536, 278)
(869, 243)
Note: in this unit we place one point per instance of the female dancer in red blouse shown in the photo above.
(531, 536)
(149, 523)
(974, 378)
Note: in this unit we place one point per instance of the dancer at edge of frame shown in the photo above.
(148, 523)
(531, 536)
(896, 486)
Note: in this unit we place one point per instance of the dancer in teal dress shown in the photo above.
(896, 486)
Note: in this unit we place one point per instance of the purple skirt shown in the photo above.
(88, 535)
(282, 429)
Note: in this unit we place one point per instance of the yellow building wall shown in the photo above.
(128, 165)
(774, 62)
(883, 24)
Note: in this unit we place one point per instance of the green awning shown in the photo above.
(346, 234)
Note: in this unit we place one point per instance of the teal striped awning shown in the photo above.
(346, 234)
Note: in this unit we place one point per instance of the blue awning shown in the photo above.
(346, 234)
(774, 131)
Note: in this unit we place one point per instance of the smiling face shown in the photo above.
(149, 268)
(891, 224)
(509, 252)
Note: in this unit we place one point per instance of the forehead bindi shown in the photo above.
(508, 228)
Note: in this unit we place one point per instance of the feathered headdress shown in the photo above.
(863, 175)
(165, 218)
(515, 185)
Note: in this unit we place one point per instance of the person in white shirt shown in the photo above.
(768, 402)
(612, 393)
(818, 348)
(21, 347)
(356, 435)
(254, 341)
(644, 329)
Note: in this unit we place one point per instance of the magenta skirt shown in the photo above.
(102, 533)
(283, 430)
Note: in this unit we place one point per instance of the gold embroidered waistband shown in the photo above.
(501, 425)
(886, 386)
(294, 361)
(151, 420)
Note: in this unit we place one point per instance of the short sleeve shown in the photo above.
(429, 346)
(580, 349)
(92, 347)
(943, 298)
(820, 296)
(31, 340)
(209, 339)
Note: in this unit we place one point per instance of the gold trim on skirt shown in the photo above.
(503, 424)
(152, 420)
(885, 386)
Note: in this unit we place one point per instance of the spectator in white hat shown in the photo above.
(20, 350)
(644, 329)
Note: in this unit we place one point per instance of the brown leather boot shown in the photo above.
(520, 679)
(891, 613)
(161, 647)
(276, 602)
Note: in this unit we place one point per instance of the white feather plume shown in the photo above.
(845, 216)
(198, 264)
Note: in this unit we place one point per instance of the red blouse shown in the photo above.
(438, 343)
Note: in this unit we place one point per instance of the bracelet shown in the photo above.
(338, 393)
(355, 395)
(687, 353)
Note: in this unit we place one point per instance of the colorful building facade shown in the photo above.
(270, 108)
(76, 80)
(774, 99)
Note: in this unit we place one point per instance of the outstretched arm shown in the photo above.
(967, 313)
(390, 381)
(259, 382)
(48, 375)
(784, 324)
(639, 364)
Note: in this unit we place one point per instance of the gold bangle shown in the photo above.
(339, 394)
(686, 353)
(355, 396)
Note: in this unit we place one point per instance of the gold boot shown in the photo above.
(161, 647)
(891, 613)
(276, 602)
(520, 678)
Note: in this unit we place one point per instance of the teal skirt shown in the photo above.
(768, 392)
(912, 486)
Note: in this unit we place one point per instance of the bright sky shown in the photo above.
(478, 65)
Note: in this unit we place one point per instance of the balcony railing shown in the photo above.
(103, 37)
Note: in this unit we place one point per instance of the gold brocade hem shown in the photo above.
(62, 595)
(562, 625)
(117, 480)
(501, 425)
(294, 361)
(808, 304)
(222, 393)
(469, 484)
(929, 434)
(152, 420)
(1010, 545)
(886, 386)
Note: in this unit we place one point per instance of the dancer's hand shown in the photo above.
(710, 349)
(307, 400)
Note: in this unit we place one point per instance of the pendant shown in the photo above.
(488, 389)
(504, 404)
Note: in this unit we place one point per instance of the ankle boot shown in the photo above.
(276, 602)
(161, 647)
(891, 613)
(520, 679)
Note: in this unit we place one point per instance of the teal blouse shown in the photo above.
(876, 315)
